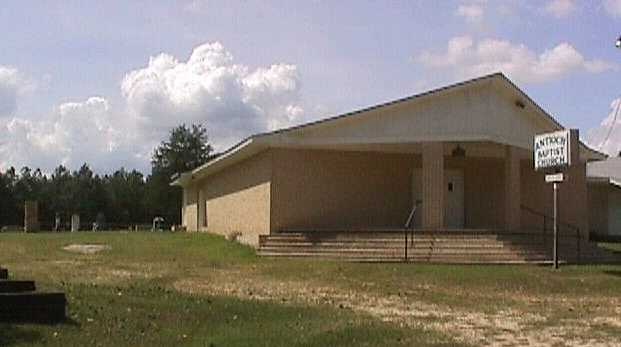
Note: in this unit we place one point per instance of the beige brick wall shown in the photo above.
(189, 210)
(331, 189)
(512, 189)
(433, 185)
(237, 200)
(327, 189)
(484, 191)
(614, 211)
(598, 207)
(537, 194)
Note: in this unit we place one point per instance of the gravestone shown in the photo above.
(31, 216)
(158, 224)
(75, 222)
(57, 221)
(100, 222)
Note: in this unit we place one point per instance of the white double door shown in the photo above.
(453, 197)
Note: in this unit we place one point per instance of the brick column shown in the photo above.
(433, 185)
(512, 189)
(201, 209)
(184, 202)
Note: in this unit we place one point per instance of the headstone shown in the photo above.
(57, 222)
(158, 224)
(100, 220)
(31, 216)
(75, 222)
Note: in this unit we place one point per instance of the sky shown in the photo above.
(103, 82)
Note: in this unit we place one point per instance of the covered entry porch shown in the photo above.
(473, 202)
(451, 185)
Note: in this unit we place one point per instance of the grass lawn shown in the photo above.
(161, 289)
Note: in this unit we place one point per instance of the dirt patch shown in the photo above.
(86, 248)
(502, 328)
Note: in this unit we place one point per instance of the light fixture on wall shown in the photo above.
(520, 104)
(458, 152)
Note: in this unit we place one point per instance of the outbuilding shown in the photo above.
(604, 198)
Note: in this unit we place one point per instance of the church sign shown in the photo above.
(552, 150)
(553, 155)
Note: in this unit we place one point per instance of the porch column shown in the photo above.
(184, 202)
(433, 185)
(200, 209)
(512, 189)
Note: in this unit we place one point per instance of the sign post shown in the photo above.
(553, 154)
(555, 251)
(555, 179)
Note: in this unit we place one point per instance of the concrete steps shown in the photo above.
(463, 247)
(21, 303)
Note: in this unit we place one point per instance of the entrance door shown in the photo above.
(454, 199)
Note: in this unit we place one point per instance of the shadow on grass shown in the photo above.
(11, 334)
(26, 333)
(616, 273)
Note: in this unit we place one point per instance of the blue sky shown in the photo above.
(103, 81)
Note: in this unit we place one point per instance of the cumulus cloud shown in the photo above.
(75, 133)
(560, 8)
(607, 136)
(230, 99)
(11, 85)
(471, 12)
(211, 88)
(196, 6)
(467, 59)
(613, 7)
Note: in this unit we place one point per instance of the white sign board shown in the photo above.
(554, 178)
(552, 150)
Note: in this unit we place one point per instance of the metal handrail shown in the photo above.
(561, 223)
(408, 226)
(408, 223)
(546, 216)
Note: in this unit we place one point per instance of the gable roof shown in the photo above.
(261, 141)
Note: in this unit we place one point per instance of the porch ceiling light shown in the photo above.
(458, 152)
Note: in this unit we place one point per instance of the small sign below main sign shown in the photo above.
(555, 178)
(552, 150)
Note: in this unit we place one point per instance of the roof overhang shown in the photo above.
(235, 154)
(289, 137)
(611, 181)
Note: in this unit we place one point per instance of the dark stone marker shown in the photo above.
(32, 307)
(31, 216)
(13, 286)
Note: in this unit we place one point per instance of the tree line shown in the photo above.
(122, 199)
